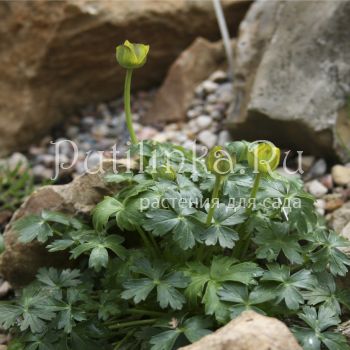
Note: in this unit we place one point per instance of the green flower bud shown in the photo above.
(263, 157)
(131, 56)
(220, 162)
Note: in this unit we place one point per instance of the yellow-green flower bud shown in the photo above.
(220, 162)
(263, 157)
(131, 56)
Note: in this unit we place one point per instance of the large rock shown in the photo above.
(20, 262)
(250, 331)
(193, 66)
(293, 75)
(57, 55)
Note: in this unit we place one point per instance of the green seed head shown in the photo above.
(131, 56)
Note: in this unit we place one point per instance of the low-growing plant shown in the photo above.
(184, 247)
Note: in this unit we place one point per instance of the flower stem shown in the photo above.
(253, 193)
(149, 241)
(214, 196)
(243, 245)
(145, 312)
(132, 323)
(127, 106)
(145, 239)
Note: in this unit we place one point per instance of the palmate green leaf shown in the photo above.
(179, 221)
(43, 341)
(110, 304)
(33, 309)
(274, 239)
(241, 299)
(9, 314)
(33, 227)
(220, 231)
(319, 322)
(325, 292)
(188, 189)
(55, 281)
(193, 329)
(69, 311)
(104, 210)
(39, 227)
(71, 239)
(165, 284)
(288, 287)
(127, 213)
(97, 247)
(207, 280)
(326, 253)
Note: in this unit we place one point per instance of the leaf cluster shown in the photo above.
(154, 275)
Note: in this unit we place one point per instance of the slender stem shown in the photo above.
(132, 323)
(244, 243)
(145, 312)
(127, 106)
(253, 193)
(145, 239)
(214, 195)
(155, 245)
(120, 343)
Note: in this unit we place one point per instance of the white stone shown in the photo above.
(341, 175)
(320, 206)
(218, 76)
(193, 126)
(345, 232)
(207, 138)
(224, 137)
(19, 161)
(209, 86)
(203, 122)
(316, 188)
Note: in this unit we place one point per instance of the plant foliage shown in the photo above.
(152, 274)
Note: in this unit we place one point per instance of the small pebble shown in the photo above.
(41, 172)
(341, 175)
(203, 122)
(224, 137)
(345, 232)
(327, 181)
(320, 205)
(5, 288)
(147, 133)
(211, 99)
(307, 162)
(17, 161)
(218, 76)
(333, 204)
(207, 138)
(209, 86)
(316, 188)
(317, 170)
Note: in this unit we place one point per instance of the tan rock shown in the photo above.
(250, 331)
(341, 175)
(290, 85)
(58, 55)
(340, 218)
(193, 66)
(19, 262)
